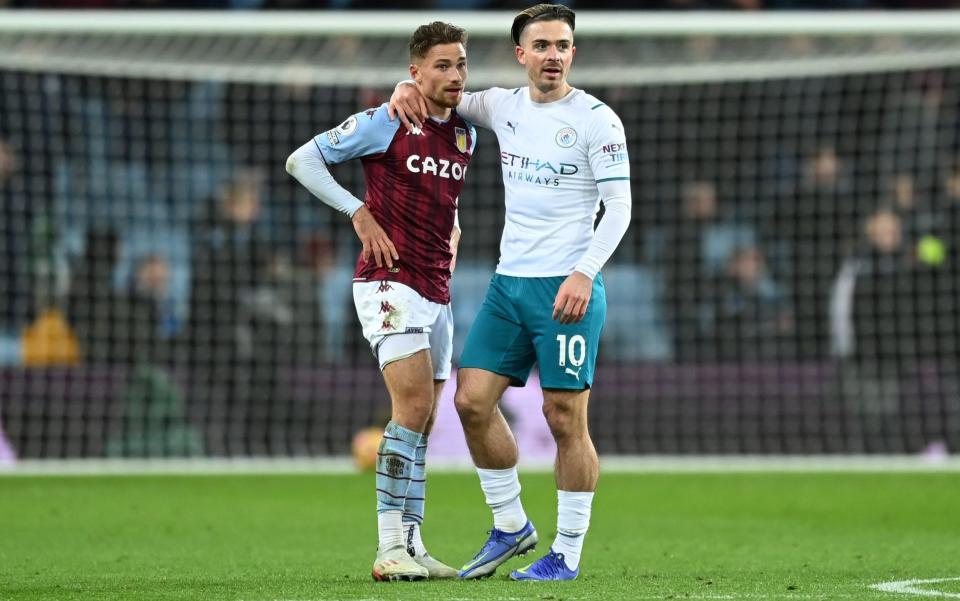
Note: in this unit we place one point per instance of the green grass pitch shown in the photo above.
(312, 537)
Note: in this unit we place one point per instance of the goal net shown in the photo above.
(788, 284)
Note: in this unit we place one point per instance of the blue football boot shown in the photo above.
(500, 547)
(549, 567)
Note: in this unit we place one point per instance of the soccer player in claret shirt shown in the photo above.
(562, 152)
(408, 226)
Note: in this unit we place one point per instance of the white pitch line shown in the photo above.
(910, 587)
(905, 587)
(608, 463)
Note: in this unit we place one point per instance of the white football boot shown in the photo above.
(436, 569)
(396, 564)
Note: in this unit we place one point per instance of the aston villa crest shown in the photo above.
(461, 138)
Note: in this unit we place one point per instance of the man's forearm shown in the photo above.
(616, 220)
(306, 164)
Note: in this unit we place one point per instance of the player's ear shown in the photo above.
(414, 72)
(521, 56)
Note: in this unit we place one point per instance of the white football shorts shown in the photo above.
(398, 322)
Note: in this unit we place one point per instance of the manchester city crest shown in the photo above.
(566, 137)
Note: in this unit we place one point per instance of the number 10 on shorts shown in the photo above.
(575, 351)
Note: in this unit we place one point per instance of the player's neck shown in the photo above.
(543, 96)
(439, 112)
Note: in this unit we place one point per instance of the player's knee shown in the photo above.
(412, 415)
(467, 409)
(564, 421)
(471, 407)
(414, 402)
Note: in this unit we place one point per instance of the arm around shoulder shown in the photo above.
(481, 107)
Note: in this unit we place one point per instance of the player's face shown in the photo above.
(442, 74)
(546, 49)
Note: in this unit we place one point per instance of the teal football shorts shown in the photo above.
(515, 329)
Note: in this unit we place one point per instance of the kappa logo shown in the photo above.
(370, 113)
(390, 315)
(575, 374)
(385, 286)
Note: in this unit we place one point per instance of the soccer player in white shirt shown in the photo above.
(562, 152)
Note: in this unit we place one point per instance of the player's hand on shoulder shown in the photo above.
(573, 298)
(407, 103)
(375, 240)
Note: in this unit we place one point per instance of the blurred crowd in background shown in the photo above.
(165, 206)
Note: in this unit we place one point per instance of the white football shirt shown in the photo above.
(553, 157)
